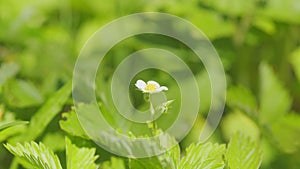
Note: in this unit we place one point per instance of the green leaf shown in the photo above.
(286, 133)
(147, 163)
(164, 107)
(8, 70)
(46, 113)
(169, 159)
(59, 141)
(12, 131)
(295, 61)
(37, 156)
(203, 156)
(242, 153)
(80, 157)
(71, 124)
(22, 94)
(232, 7)
(275, 100)
(113, 164)
(265, 24)
(10, 124)
(242, 98)
(173, 156)
(283, 11)
(237, 121)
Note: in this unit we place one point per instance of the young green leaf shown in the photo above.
(203, 156)
(22, 94)
(275, 100)
(164, 107)
(8, 70)
(173, 156)
(59, 141)
(12, 131)
(295, 61)
(147, 163)
(242, 153)
(237, 121)
(71, 124)
(37, 156)
(46, 113)
(286, 132)
(10, 124)
(169, 159)
(113, 164)
(242, 98)
(80, 157)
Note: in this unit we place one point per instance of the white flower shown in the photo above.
(150, 86)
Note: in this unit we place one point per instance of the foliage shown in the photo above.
(71, 124)
(113, 163)
(9, 124)
(203, 156)
(243, 153)
(80, 157)
(45, 114)
(7, 71)
(257, 41)
(36, 155)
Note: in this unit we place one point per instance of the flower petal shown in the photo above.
(154, 83)
(164, 88)
(161, 89)
(140, 84)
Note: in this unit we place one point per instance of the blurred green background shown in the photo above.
(258, 42)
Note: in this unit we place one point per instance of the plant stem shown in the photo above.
(152, 111)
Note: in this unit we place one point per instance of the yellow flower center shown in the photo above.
(150, 87)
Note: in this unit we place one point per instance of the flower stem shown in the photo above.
(152, 111)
